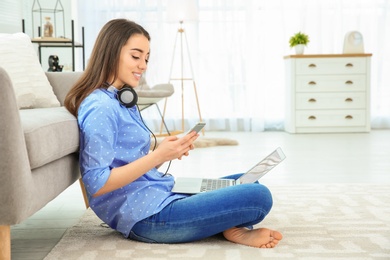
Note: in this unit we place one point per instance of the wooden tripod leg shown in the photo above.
(197, 103)
(163, 115)
(5, 243)
(84, 193)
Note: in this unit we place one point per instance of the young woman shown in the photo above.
(124, 187)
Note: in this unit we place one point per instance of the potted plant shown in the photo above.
(299, 41)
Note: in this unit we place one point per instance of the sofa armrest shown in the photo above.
(14, 163)
(62, 83)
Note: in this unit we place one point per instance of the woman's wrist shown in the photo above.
(156, 158)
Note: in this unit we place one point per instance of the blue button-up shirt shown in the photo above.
(112, 135)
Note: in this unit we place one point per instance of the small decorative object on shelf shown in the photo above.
(47, 14)
(353, 42)
(48, 27)
(53, 64)
(299, 41)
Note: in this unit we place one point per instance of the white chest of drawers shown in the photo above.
(327, 93)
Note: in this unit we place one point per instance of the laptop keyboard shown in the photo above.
(214, 184)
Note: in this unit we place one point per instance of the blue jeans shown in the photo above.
(206, 214)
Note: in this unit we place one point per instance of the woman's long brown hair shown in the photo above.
(104, 60)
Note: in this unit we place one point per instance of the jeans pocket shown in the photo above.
(134, 236)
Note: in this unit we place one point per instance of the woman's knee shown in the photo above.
(261, 196)
(256, 201)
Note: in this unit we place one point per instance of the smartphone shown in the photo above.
(197, 127)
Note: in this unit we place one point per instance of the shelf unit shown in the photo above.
(47, 42)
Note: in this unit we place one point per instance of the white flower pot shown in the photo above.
(299, 48)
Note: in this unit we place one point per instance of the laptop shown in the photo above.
(197, 185)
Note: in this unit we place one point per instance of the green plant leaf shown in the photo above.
(299, 38)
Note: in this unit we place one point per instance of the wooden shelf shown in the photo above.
(50, 40)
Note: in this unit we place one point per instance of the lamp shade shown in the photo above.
(182, 10)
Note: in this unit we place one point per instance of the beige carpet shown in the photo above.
(329, 221)
(203, 142)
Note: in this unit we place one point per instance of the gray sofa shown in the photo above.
(38, 156)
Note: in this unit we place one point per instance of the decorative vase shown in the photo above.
(48, 28)
(299, 48)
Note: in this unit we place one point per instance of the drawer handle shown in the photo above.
(312, 100)
(312, 65)
(348, 100)
(312, 118)
(312, 83)
(349, 65)
(349, 82)
(348, 117)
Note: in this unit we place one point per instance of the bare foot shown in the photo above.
(262, 237)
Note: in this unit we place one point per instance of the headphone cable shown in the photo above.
(155, 141)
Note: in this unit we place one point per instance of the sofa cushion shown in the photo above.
(50, 133)
(20, 60)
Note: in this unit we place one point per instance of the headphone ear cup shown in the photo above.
(127, 97)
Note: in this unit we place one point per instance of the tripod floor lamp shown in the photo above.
(186, 7)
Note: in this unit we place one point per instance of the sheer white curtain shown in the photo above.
(237, 48)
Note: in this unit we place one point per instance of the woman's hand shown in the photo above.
(173, 147)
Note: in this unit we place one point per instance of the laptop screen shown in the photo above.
(264, 166)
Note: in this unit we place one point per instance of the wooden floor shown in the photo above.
(311, 158)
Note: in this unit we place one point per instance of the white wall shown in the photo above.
(10, 16)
